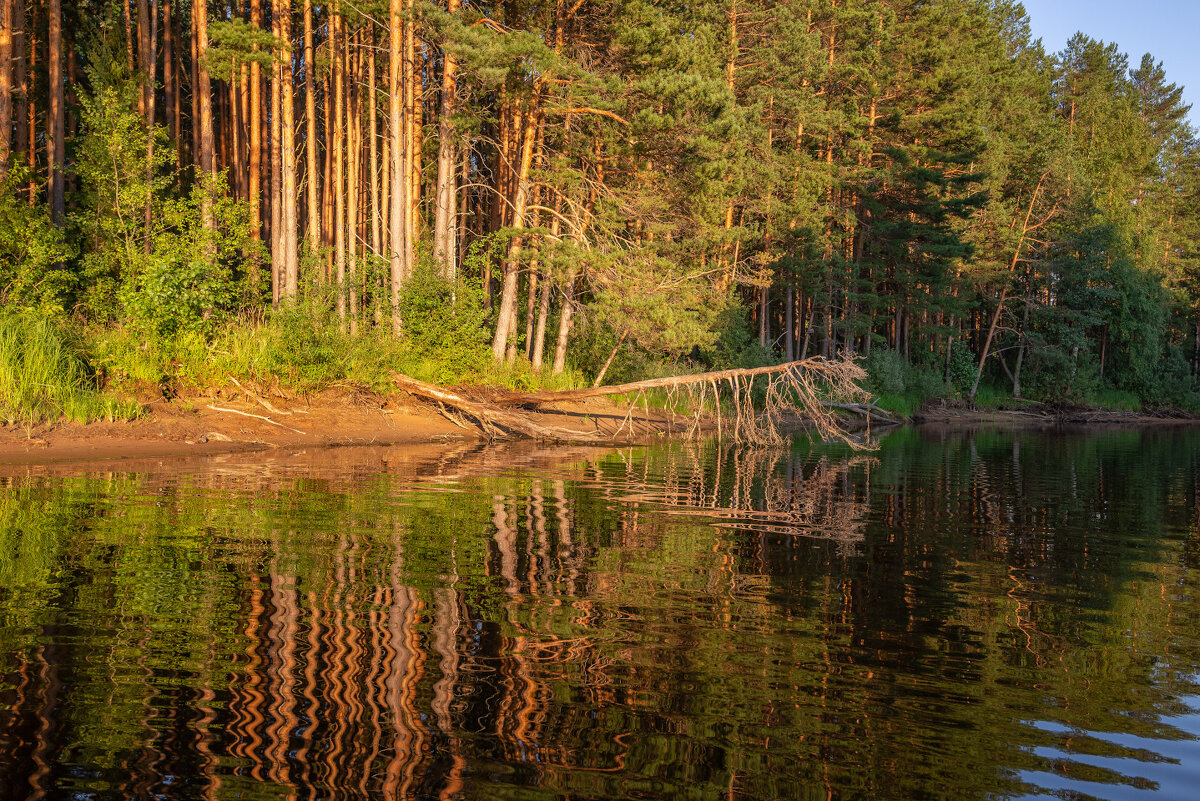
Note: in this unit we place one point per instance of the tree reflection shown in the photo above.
(685, 621)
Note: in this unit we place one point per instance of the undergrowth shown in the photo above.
(301, 350)
(43, 375)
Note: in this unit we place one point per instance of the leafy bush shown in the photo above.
(960, 373)
(32, 251)
(444, 323)
(900, 386)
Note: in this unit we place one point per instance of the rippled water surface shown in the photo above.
(958, 616)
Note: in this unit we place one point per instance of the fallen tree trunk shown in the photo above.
(816, 388)
(538, 398)
(868, 410)
(488, 417)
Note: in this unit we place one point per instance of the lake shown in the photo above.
(957, 615)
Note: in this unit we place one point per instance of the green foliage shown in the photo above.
(960, 370)
(161, 260)
(32, 252)
(43, 375)
(736, 345)
(900, 386)
(444, 322)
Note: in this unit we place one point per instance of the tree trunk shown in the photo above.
(313, 222)
(506, 321)
(6, 83)
(327, 179)
(608, 362)
(255, 158)
(290, 221)
(789, 325)
(338, 147)
(128, 35)
(442, 228)
(399, 180)
(564, 324)
(148, 65)
(1021, 348)
(539, 335)
(204, 90)
(373, 139)
(56, 119)
(353, 181)
(278, 259)
(764, 308)
(31, 143)
(145, 58)
(170, 103)
(20, 79)
(412, 128)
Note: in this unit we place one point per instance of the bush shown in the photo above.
(32, 252)
(444, 323)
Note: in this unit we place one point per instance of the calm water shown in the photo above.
(958, 616)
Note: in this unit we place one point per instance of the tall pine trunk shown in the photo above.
(278, 259)
(6, 83)
(56, 152)
(290, 221)
(148, 66)
(254, 180)
(442, 226)
(399, 179)
(170, 103)
(337, 36)
(506, 319)
(203, 90)
(353, 182)
(313, 221)
(373, 139)
(20, 79)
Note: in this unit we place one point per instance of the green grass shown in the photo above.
(1115, 399)
(989, 397)
(902, 403)
(43, 376)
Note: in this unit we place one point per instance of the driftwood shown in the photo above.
(816, 388)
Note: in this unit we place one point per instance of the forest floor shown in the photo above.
(192, 426)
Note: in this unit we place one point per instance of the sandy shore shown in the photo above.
(207, 425)
(198, 426)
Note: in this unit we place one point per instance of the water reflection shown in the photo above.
(961, 615)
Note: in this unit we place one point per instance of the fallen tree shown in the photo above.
(815, 389)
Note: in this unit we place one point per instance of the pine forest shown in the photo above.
(548, 193)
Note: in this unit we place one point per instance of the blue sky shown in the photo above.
(1168, 29)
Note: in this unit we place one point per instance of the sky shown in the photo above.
(1167, 29)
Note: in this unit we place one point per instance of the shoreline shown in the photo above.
(193, 427)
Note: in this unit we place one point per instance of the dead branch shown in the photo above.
(254, 396)
(256, 416)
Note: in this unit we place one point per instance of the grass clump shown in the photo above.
(44, 376)
(1116, 399)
